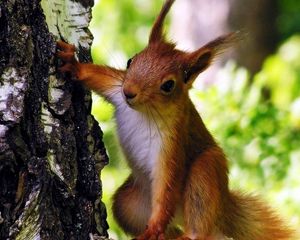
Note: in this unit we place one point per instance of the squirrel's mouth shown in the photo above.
(132, 103)
(129, 103)
(136, 105)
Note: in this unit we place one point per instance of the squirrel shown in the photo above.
(178, 187)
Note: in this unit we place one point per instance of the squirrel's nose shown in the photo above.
(129, 95)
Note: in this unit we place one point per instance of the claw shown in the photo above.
(66, 54)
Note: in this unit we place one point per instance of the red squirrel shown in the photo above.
(178, 187)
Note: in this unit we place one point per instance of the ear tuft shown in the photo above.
(222, 43)
(157, 29)
(199, 60)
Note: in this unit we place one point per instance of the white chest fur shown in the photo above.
(139, 136)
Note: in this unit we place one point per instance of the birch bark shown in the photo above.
(51, 149)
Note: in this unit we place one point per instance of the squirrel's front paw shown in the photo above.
(67, 55)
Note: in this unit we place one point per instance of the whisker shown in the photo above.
(117, 75)
(155, 122)
(149, 129)
(117, 85)
(161, 117)
(117, 72)
(121, 107)
(115, 58)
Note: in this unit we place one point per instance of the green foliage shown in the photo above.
(289, 18)
(131, 18)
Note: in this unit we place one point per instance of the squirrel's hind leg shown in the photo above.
(132, 206)
(202, 196)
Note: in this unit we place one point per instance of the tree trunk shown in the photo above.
(258, 18)
(51, 150)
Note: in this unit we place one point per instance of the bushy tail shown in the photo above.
(248, 218)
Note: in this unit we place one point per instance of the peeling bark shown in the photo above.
(51, 149)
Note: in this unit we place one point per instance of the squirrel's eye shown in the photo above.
(168, 86)
(128, 63)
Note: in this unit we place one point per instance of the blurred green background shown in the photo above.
(254, 113)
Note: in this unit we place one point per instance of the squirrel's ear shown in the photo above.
(156, 34)
(196, 62)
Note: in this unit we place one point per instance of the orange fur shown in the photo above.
(132, 205)
(184, 180)
(167, 182)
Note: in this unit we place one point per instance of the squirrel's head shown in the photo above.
(161, 74)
